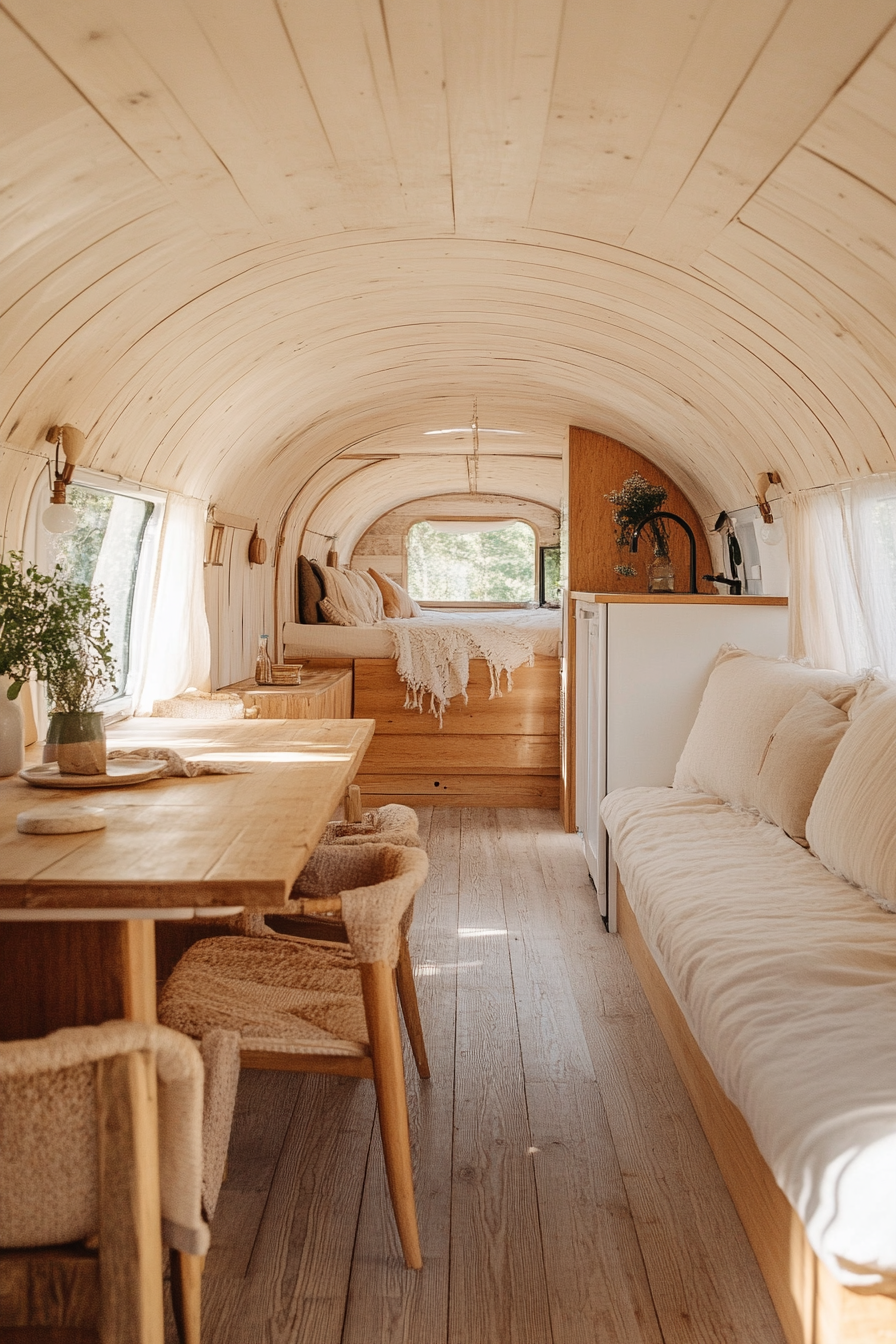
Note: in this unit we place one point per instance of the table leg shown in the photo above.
(138, 969)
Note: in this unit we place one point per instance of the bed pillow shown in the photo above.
(397, 601)
(311, 590)
(354, 592)
(796, 757)
(745, 699)
(333, 614)
(852, 824)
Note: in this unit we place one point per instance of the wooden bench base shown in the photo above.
(813, 1307)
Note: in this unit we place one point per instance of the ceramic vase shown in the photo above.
(12, 732)
(77, 742)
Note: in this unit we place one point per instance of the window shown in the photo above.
(472, 561)
(113, 547)
(549, 576)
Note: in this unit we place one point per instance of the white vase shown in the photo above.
(12, 732)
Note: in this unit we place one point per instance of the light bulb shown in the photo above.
(60, 518)
(772, 534)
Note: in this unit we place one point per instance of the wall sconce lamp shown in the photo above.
(61, 517)
(772, 530)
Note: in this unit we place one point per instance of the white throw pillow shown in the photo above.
(852, 824)
(745, 699)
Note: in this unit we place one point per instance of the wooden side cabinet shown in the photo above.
(324, 693)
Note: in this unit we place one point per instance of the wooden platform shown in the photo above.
(498, 753)
(813, 1307)
(565, 1190)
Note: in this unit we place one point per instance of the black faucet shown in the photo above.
(733, 584)
(692, 575)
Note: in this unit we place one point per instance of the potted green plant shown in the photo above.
(59, 630)
(636, 500)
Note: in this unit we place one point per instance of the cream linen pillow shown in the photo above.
(796, 757)
(397, 601)
(745, 699)
(355, 593)
(852, 824)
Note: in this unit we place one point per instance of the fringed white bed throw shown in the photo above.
(434, 659)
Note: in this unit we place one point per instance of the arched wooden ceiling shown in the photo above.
(247, 244)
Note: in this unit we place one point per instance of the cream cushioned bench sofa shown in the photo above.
(757, 899)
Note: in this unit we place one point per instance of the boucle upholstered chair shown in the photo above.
(101, 1142)
(321, 1007)
(392, 824)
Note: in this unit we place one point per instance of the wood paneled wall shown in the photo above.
(239, 600)
(598, 465)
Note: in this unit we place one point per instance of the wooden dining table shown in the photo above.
(78, 912)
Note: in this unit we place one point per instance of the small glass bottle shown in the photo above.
(264, 675)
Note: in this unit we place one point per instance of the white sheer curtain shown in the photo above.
(178, 648)
(842, 549)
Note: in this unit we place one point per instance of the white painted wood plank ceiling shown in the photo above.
(241, 238)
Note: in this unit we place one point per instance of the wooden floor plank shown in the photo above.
(386, 1301)
(498, 1289)
(552, 1041)
(264, 1107)
(597, 1283)
(297, 1278)
(706, 1285)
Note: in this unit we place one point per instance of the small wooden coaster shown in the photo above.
(61, 819)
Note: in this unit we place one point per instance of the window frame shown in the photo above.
(120, 706)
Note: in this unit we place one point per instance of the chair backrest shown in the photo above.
(49, 1152)
(391, 824)
(376, 884)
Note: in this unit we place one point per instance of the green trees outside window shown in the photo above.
(474, 566)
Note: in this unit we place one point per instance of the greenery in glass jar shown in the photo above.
(57, 629)
(635, 501)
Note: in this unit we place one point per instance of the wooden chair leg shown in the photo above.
(410, 1008)
(130, 1233)
(186, 1294)
(381, 1012)
(351, 803)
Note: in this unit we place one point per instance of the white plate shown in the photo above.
(117, 773)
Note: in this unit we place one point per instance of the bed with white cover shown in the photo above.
(377, 641)
(780, 954)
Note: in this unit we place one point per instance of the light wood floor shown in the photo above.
(565, 1191)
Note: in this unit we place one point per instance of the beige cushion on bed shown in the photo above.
(852, 824)
(397, 601)
(355, 592)
(745, 699)
(796, 757)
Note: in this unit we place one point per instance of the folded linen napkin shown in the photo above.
(177, 764)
